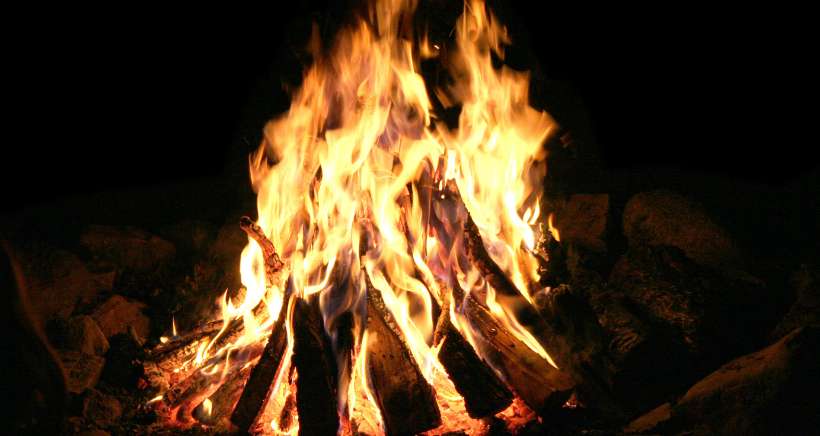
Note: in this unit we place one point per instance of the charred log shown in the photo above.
(588, 371)
(531, 377)
(273, 264)
(315, 364)
(406, 401)
(484, 393)
(257, 390)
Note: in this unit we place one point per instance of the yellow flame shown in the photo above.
(359, 163)
(207, 406)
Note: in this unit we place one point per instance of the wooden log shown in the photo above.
(406, 401)
(483, 392)
(589, 371)
(176, 348)
(196, 384)
(316, 398)
(224, 399)
(541, 386)
(257, 390)
(273, 264)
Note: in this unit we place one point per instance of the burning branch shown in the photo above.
(257, 391)
(407, 402)
(273, 264)
(484, 393)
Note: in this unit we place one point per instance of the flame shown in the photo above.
(360, 175)
(553, 231)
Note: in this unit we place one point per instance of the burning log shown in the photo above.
(484, 393)
(257, 390)
(314, 362)
(534, 380)
(225, 397)
(406, 401)
(589, 370)
(186, 344)
(273, 264)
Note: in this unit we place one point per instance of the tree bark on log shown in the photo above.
(316, 397)
(542, 387)
(257, 390)
(273, 264)
(590, 375)
(484, 393)
(406, 401)
(188, 393)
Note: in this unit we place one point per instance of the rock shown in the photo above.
(190, 236)
(82, 370)
(715, 316)
(771, 391)
(651, 422)
(649, 364)
(95, 432)
(128, 248)
(230, 240)
(101, 409)
(583, 220)
(57, 281)
(664, 218)
(123, 367)
(578, 338)
(806, 309)
(118, 313)
(83, 334)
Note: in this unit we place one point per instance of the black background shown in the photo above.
(146, 96)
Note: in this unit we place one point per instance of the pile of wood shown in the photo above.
(406, 401)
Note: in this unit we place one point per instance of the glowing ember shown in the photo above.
(360, 179)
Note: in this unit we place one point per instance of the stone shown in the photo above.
(82, 370)
(118, 313)
(83, 334)
(101, 409)
(94, 432)
(716, 316)
(771, 391)
(128, 248)
(57, 281)
(191, 236)
(806, 309)
(650, 422)
(583, 220)
(665, 218)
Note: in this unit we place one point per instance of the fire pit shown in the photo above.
(409, 269)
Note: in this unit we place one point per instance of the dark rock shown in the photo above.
(190, 236)
(651, 422)
(82, 370)
(101, 409)
(83, 334)
(118, 313)
(806, 309)
(665, 218)
(127, 248)
(771, 391)
(715, 315)
(95, 432)
(583, 220)
(578, 338)
(123, 367)
(649, 364)
(58, 281)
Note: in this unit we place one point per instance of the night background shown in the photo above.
(146, 100)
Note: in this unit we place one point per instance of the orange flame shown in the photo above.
(360, 174)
